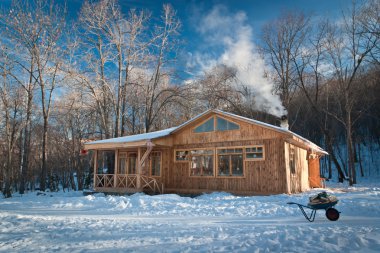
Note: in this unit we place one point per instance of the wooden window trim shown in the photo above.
(122, 154)
(292, 157)
(190, 161)
(181, 161)
(151, 164)
(128, 156)
(217, 161)
(254, 146)
(201, 123)
(215, 125)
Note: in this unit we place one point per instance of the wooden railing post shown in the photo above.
(138, 182)
(115, 170)
(95, 167)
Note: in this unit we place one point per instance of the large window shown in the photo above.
(216, 123)
(223, 125)
(230, 162)
(202, 162)
(106, 162)
(208, 126)
(127, 163)
(155, 163)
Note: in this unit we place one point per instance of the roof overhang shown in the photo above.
(116, 145)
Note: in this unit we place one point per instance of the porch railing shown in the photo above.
(128, 182)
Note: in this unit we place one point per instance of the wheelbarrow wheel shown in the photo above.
(332, 214)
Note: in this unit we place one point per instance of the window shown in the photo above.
(292, 159)
(208, 126)
(202, 163)
(254, 153)
(230, 162)
(223, 125)
(132, 161)
(106, 162)
(122, 163)
(181, 155)
(155, 163)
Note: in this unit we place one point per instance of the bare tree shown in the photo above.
(36, 27)
(95, 28)
(283, 40)
(158, 92)
(11, 104)
(347, 49)
(133, 51)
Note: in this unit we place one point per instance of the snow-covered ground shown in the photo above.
(218, 222)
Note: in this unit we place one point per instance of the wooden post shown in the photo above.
(138, 179)
(95, 166)
(115, 169)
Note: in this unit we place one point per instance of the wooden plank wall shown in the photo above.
(260, 177)
(299, 181)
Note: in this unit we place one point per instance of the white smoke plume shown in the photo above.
(234, 37)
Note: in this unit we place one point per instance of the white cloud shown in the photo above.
(230, 34)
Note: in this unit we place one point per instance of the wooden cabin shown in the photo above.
(215, 151)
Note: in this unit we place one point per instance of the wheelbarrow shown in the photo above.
(327, 204)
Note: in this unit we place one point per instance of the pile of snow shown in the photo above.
(217, 222)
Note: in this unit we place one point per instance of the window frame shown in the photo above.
(292, 160)
(229, 154)
(215, 128)
(187, 156)
(254, 146)
(136, 161)
(213, 162)
(228, 121)
(122, 155)
(203, 122)
(110, 171)
(151, 163)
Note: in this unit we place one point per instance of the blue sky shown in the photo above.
(226, 32)
(258, 11)
(193, 13)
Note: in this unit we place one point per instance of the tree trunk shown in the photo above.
(350, 150)
(26, 143)
(44, 149)
(334, 159)
(119, 91)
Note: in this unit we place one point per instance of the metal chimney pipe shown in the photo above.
(284, 122)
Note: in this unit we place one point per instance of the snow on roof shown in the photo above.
(137, 137)
(166, 132)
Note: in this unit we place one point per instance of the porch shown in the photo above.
(127, 167)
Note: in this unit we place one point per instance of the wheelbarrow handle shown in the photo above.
(301, 207)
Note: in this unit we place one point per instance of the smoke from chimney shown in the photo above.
(284, 122)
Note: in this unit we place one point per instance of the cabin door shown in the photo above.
(314, 173)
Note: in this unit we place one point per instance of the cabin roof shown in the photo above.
(169, 131)
(136, 137)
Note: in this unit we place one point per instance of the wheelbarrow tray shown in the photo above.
(325, 205)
